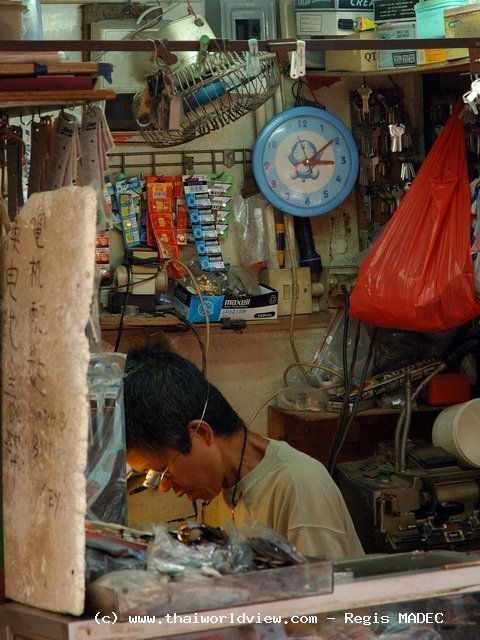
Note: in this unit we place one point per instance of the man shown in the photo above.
(180, 425)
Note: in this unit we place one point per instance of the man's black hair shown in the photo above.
(163, 392)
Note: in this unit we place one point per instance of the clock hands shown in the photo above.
(312, 159)
(306, 162)
(326, 162)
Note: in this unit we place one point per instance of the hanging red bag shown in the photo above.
(418, 275)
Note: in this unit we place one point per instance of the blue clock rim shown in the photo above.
(257, 161)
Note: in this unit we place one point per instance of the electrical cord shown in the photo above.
(351, 415)
(202, 302)
(191, 327)
(346, 319)
(128, 289)
(343, 418)
(124, 309)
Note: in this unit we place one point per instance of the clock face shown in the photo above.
(305, 161)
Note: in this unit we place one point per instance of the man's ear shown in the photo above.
(200, 428)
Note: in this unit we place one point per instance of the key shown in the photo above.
(365, 93)
(372, 167)
(363, 174)
(367, 206)
(375, 134)
(397, 194)
(407, 171)
(396, 133)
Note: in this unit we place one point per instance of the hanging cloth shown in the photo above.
(418, 275)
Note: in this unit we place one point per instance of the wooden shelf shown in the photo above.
(112, 321)
(29, 102)
(314, 432)
(458, 66)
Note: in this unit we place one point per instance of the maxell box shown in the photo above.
(262, 306)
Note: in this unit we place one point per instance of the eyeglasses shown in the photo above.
(154, 478)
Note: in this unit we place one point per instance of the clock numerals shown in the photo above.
(305, 161)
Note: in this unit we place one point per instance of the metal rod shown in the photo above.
(315, 44)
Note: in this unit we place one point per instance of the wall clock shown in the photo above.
(305, 161)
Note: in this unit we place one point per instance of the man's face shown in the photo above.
(198, 474)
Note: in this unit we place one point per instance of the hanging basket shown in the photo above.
(181, 106)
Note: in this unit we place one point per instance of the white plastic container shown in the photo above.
(457, 430)
(11, 27)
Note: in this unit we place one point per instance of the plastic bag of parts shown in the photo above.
(103, 556)
(418, 275)
(171, 553)
(269, 548)
(235, 281)
(248, 214)
(106, 464)
(341, 336)
(302, 398)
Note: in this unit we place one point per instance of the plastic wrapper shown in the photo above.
(248, 215)
(106, 464)
(302, 398)
(418, 276)
(329, 357)
(268, 547)
(100, 561)
(168, 555)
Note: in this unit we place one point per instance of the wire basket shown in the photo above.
(198, 105)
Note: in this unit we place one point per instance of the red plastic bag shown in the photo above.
(419, 273)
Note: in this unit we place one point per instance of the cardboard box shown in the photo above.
(282, 281)
(353, 59)
(461, 22)
(431, 56)
(396, 58)
(263, 306)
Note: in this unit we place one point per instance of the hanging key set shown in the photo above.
(381, 129)
(440, 108)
